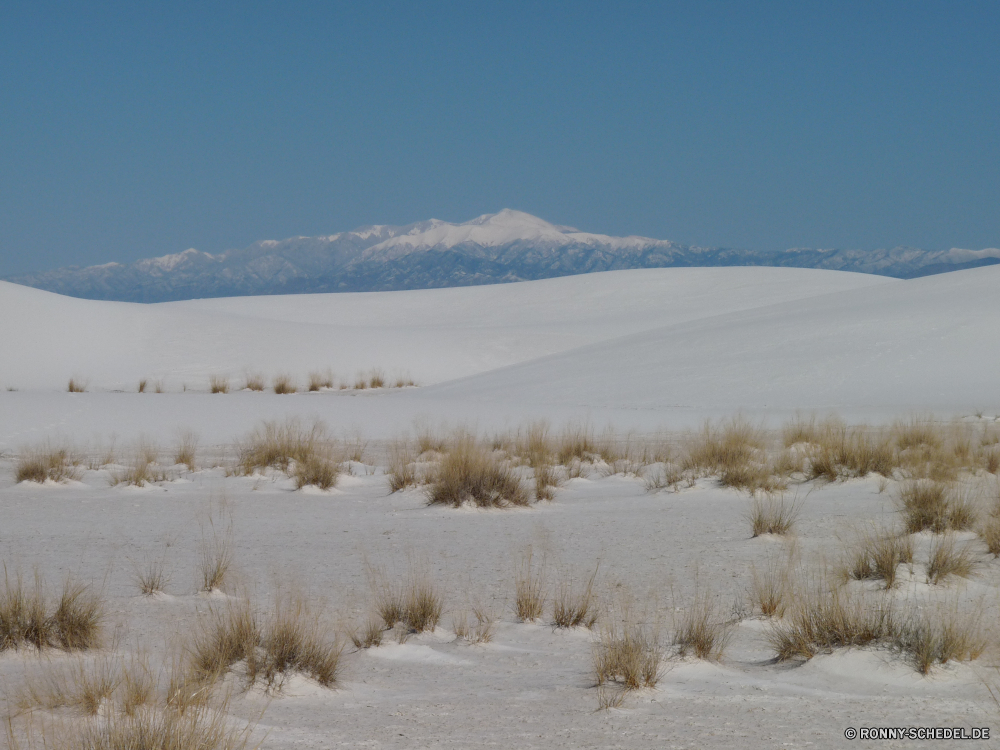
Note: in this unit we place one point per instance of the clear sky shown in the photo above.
(135, 129)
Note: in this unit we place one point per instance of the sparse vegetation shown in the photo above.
(479, 632)
(400, 471)
(142, 386)
(76, 385)
(529, 588)
(269, 648)
(626, 657)
(284, 384)
(28, 618)
(416, 604)
(772, 515)
(253, 382)
(46, 462)
(282, 446)
(186, 449)
(376, 379)
(573, 608)
(701, 630)
(471, 474)
(218, 384)
(150, 577)
(877, 555)
(771, 587)
(318, 381)
(316, 470)
(946, 558)
(936, 506)
(140, 468)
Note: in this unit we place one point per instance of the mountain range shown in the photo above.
(493, 248)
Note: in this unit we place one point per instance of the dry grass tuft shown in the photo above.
(702, 631)
(948, 559)
(290, 639)
(376, 379)
(253, 382)
(877, 555)
(731, 445)
(185, 450)
(943, 635)
(280, 445)
(46, 462)
(317, 471)
(284, 384)
(142, 386)
(401, 471)
(529, 588)
(318, 381)
(216, 556)
(218, 384)
(576, 442)
(823, 618)
(480, 632)
(574, 608)
(627, 655)
(470, 474)
(140, 467)
(368, 636)
(27, 618)
(772, 515)
(415, 604)
(76, 386)
(546, 481)
(150, 577)
(936, 506)
(771, 589)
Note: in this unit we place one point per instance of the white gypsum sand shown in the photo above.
(639, 350)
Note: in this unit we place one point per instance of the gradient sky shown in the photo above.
(129, 129)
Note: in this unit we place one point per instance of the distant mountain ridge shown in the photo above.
(493, 248)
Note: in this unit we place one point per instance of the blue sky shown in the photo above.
(129, 130)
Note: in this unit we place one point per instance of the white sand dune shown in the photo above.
(638, 349)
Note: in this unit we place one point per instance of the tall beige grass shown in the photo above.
(701, 630)
(529, 587)
(46, 462)
(218, 384)
(253, 382)
(469, 473)
(575, 606)
(284, 384)
(28, 617)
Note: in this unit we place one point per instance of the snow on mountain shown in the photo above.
(493, 248)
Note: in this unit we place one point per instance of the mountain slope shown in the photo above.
(493, 248)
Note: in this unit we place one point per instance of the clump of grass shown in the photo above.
(376, 379)
(943, 635)
(316, 470)
(771, 588)
(628, 656)
(27, 618)
(318, 381)
(401, 471)
(218, 384)
(369, 635)
(576, 442)
(46, 461)
(140, 468)
(877, 555)
(574, 608)
(989, 532)
(416, 604)
(470, 474)
(76, 385)
(826, 618)
(701, 630)
(546, 481)
(772, 515)
(947, 559)
(479, 632)
(936, 506)
(529, 588)
(669, 476)
(150, 577)
(290, 639)
(278, 445)
(726, 448)
(840, 452)
(284, 384)
(186, 449)
(253, 382)
(216, 556)
(142, 386)
(360, 382)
